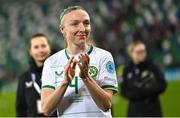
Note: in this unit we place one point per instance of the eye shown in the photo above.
(43, 46)
(36, 47)
(86, 23)
(74, 23)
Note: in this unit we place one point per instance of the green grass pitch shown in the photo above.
(170, 102)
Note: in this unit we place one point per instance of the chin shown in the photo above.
(82, 41)
(42, 59)
(82, 44)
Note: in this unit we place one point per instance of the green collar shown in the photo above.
(89, 52)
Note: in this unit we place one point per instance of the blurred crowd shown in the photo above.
(115, 23)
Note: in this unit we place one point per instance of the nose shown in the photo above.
(81, 27)
(41, 49)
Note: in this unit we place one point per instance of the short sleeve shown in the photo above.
(48, 79)
(107, 74)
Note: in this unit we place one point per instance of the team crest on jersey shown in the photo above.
(110, 67)
(93, 71)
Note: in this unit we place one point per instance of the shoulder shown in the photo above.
(101, 52)
(54, 59)
(151, 64)
(128, 66)
(104, 59)
(24, 76)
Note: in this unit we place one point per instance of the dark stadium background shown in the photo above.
(115, 23)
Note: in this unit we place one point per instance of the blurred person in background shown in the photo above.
(79, 80)
(28, 103)
(142, 83)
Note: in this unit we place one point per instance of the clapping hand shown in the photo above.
(70, 69)
(83, 65)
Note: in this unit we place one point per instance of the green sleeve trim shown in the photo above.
(115, 89)
(48, 86)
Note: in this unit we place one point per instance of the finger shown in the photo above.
(66, 69)
(85, 57)
(71, 60)
(81, 67)
(85, 63)
(85, 60)
(82, 61)
(83, 71)
(71, 73)
(88, 59)
(68, 64)
(74, 65)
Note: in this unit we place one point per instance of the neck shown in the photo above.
(75, 49)
(39, 63)
(136, 63)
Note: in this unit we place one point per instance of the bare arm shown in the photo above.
(51, 98)
(102, 97)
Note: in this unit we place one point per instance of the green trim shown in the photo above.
(89, 52)
(109, 87)
(48, 86)
(67, 54)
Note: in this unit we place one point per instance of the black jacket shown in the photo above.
(27, 96)
(142, 85)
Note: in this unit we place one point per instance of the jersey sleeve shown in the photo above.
(48, 79)
(107, 74)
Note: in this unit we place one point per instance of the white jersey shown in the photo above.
(77, 101)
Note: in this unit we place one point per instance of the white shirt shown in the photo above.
(77, 101)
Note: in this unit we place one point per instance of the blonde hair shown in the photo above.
(68, 10)
(132, 45)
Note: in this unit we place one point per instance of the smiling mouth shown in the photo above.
(81, 36)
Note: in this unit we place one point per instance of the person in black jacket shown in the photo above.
(142, 83)
(28, 103)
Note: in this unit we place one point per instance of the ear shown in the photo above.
(61, 28)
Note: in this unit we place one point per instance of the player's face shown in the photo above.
(139, 53)
(39, 49)
(76, 27)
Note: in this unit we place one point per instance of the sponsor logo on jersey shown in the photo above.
(58, 74)
(28, 84)
(93, 71)
(110, 67)
(129, 75)
(145, 73)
